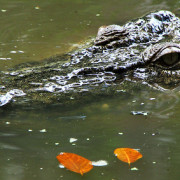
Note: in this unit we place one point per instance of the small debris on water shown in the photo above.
(87, 139)
(3, 10)
(134, 169)
(105, 106)
(13, 52)
(71, 140)
(30, 130)
(134, 101)
(154, 162)
(41, 168)
(43, 130)
(100, 163)
(61, 166)
(4, 59)
(139, 113)
(152, 99)
(8, 122)
(37, 7)
(97, 15)
(20, 51)
(56, 144)
(120, 133)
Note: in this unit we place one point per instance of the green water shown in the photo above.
(32, 30)
(32, 137)
(99, 128)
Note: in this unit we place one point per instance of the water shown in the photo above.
(37, 29)
(32, 137)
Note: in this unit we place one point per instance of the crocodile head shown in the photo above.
(143, 51)
(153, 46)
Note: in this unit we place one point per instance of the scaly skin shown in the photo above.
(143, 50)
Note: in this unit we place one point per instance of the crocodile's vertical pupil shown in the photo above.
(171, 58)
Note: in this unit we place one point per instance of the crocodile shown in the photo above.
(144, 51)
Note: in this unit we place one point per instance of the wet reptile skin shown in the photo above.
(145, 50)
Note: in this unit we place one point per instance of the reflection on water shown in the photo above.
(34, 30)
(30, 139)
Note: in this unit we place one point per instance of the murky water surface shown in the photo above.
(36, 29)
(31, 137)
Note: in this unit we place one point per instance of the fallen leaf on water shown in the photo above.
(75, 162)
(127, 155)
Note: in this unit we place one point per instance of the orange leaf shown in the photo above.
(127, 155)
(75, 162)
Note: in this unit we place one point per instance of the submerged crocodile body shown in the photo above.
(146, 50)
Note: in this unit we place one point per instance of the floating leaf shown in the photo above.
(75, 162)
(127, 155)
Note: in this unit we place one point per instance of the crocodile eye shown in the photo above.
(169, 59)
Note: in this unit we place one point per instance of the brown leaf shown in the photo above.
(127, 155)
(75, 162)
